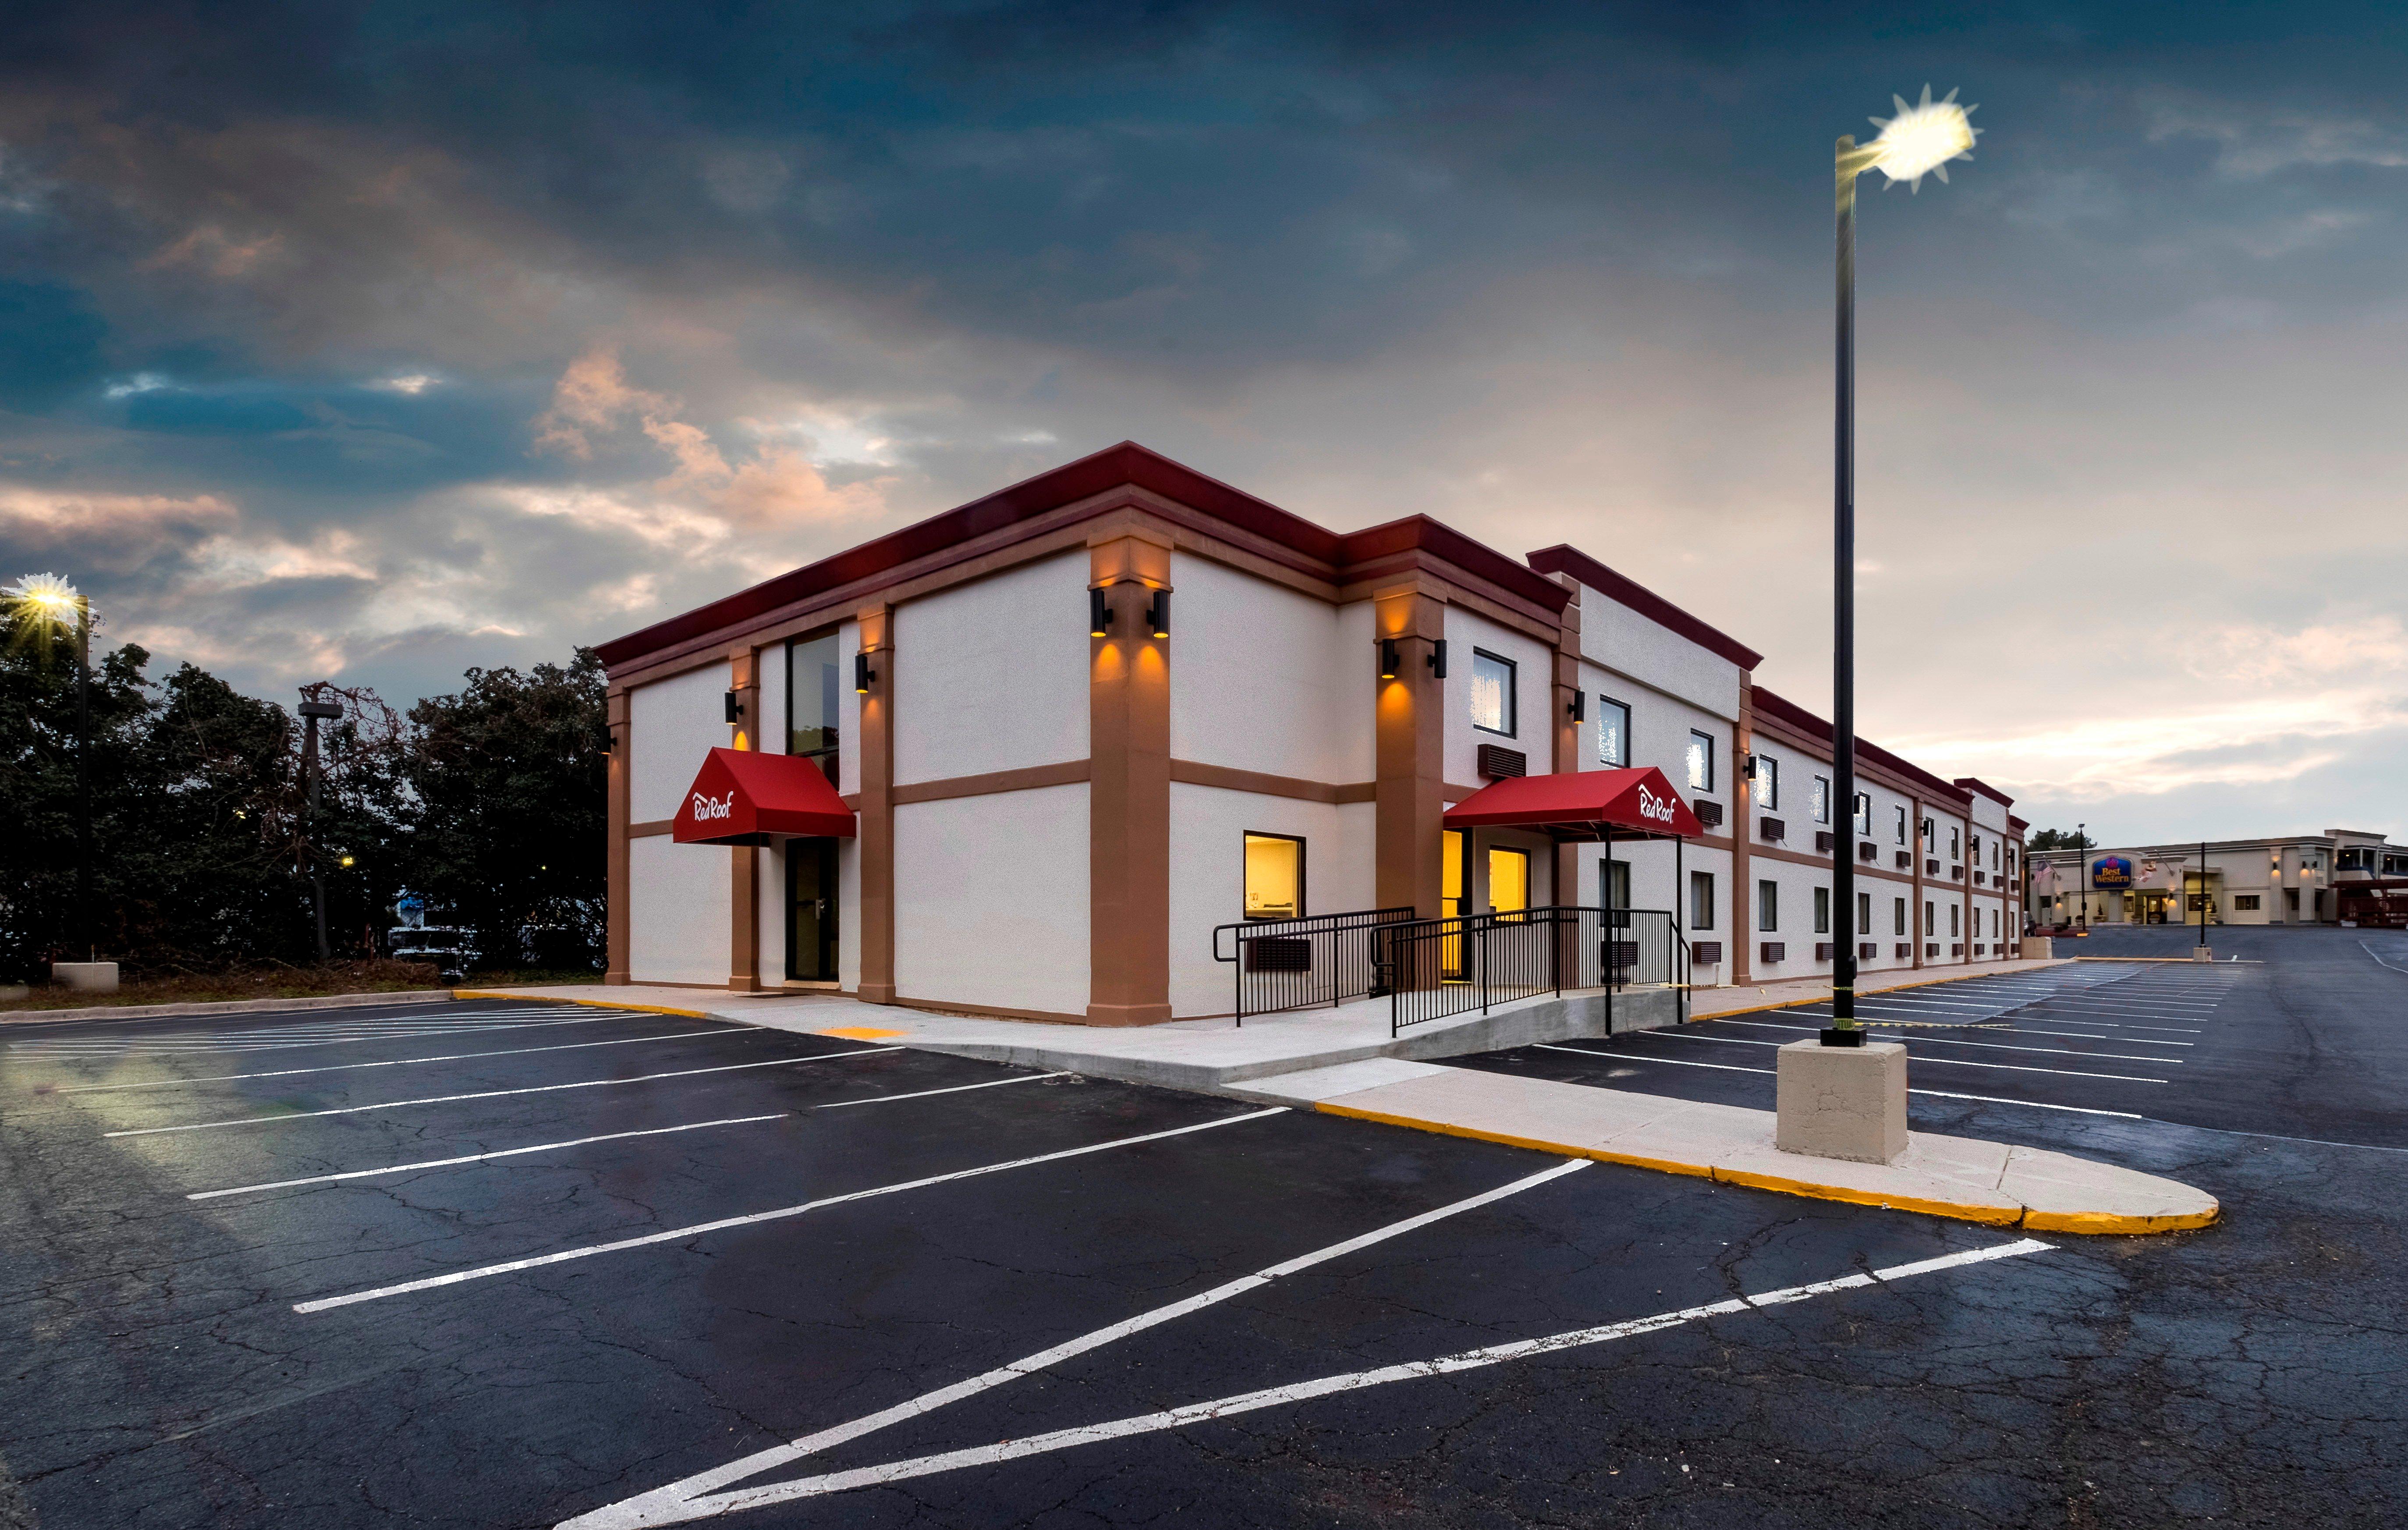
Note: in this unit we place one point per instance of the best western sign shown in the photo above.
(2111, 871)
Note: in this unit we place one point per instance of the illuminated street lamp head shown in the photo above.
(43, 595)
(1922, 138)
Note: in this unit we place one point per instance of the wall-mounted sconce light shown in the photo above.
(1099, 613)
(735, 706)
(862, 673)
(1389, 658)
(1158, 614)
(1751, 767)
(1578, 707)
(1438, 658)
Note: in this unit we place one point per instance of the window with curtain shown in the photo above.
(1701, 761)
(1493, 701)
(1767, 905)
(1822, 803)
(1768, 783)
(1274, 876)
(1613, 733)
(1822, 910)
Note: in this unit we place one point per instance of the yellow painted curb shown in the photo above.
(2091, 1223)
(860, 1032)
(598, 1003)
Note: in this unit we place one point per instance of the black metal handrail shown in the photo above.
(1439, 967)
(1297, 963)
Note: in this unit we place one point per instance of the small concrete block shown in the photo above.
(2040, 948)
(86, 977)
(2201, 953)
(1841, 1102)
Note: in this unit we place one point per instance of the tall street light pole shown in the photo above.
(311, 713)
(1920, 140)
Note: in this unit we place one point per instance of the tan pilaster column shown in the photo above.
(1409, 793)
(1128, 788)
(1743, 814)
(875, 831)
(616, 880)
(744, 861)
(1567, 692)
(1915, 897)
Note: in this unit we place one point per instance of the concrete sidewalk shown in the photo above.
(1955, 1177)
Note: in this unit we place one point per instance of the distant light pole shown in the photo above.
(48, 601)
(311, 712)
(1919, 141)
(2082, 882)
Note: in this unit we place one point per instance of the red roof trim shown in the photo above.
(1782, 710)
(1125, 464)
(1971, 783)
(1566, 559)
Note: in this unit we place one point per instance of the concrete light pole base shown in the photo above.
(86, 977)
(1841, 1102)
(2201, 953)
(2038, 948)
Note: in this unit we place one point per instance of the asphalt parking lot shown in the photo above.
(487, 1264)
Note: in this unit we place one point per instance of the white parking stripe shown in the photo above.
(1936, 1093)
(497, 1094)
(235, 1045)
(676, 1235)
(404, 1061)
(924, 1094)
(1995, 1045)
(473, 1157)
(658, 1509)
(1946, 1062)
(634, 1511)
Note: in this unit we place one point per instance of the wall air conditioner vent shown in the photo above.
(1498, 764)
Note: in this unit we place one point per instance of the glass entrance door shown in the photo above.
(1455, 854)
(811, 910)
(1509, 881)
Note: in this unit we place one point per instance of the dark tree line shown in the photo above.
(488, 803)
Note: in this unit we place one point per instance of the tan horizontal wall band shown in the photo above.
(1195, 773)
(1026, 778)
(658, 825)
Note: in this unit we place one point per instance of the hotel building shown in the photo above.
(1024, 758)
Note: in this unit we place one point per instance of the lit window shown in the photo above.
(1701, 762)
(1274, 876)
(1613, 733)
(1822, 799)
(1492, 692)
(1767, 784)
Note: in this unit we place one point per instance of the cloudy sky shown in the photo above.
(371, 342)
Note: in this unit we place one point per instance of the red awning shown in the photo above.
(744, 798)
(1638, 799)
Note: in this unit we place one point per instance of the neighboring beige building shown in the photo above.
(2290, 880)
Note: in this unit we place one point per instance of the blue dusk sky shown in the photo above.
(369, 342)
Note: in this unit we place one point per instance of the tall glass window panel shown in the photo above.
(1701, 900)
(1865, 813)
(1617, 884)
(1897, 916)
(1274, 876)
(1613, 734)
(1701, 761)
(1901, 825)
(1822, 803)
(1767, 906)
(1822, 910)
(1864, 914)
(811, 700)
(1768, 783)
(1492, 692)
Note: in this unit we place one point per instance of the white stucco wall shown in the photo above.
(1208, 829)
(992, 675)
(991, 899)
(1533, 686)
(1619, 639)
(677, 915)
(1253, 684)
(671, 725)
